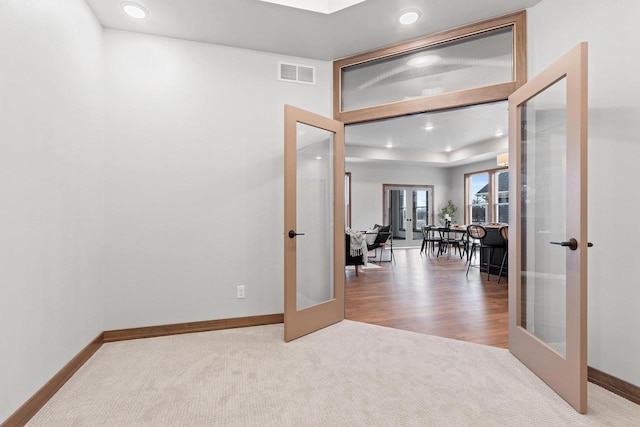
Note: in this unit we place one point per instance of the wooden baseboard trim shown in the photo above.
(21, 416)
(190, 327)
(614, 385)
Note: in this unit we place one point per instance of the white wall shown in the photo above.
(554, 27)
(366, 188)
(51, 194)
(194, 178)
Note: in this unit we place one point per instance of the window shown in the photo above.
(420, 209)
(473, 61)
(487, 196)
(347, 199)
(478, 197)
(480, 63)
(402, 203)
(502, 196)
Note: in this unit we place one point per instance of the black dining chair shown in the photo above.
(449, 240)
(504, 233)
(479, 235)
(430, 239)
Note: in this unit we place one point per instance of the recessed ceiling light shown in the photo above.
(134, 10)
(318, 157)
(499, 133)
(428, 126)
(389, 145)
(408, 16)
(423, 60)
(448, 149)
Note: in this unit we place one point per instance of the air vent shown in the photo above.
(296, 73)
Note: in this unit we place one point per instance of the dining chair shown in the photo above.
(475, 237)
(430, 239)
(504, 233)
(447, 241)
(479, 234)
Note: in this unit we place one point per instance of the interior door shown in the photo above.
(548, 233)
(314, 230)
(408, 208)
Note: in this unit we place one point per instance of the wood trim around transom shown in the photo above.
(493, 93)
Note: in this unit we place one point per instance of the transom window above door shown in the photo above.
(475, 64)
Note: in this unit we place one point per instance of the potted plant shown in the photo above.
(448, 213)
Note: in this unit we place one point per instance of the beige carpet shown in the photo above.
(350, 374)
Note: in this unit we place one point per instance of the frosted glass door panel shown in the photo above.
(476, 61)
(315, 208)
(544, 275)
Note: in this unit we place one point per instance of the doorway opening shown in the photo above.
(407, 209)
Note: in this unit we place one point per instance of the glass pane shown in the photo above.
(347, 200)
(314, 272)
(479, 197)
(398, 213)
(419, 209)
(420, 212)
(502, 196)
(543, 216)
(476, 61)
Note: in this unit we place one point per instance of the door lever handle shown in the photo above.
(293, 234)
(571, 244)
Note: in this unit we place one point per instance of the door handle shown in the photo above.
(571, 244)
(293, 234)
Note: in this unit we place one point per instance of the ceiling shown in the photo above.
(253, 24)
(258, 25)
(444, 138)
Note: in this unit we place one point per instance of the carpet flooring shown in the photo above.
(349, 374)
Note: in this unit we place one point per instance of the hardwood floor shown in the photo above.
(432, 296)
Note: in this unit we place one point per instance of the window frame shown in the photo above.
(492, 197)
(474, 96)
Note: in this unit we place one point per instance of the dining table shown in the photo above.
(452, 235)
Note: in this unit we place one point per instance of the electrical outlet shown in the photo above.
(240, 291)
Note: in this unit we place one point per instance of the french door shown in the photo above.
(548, 231)
(408, 208)
(314, 230)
